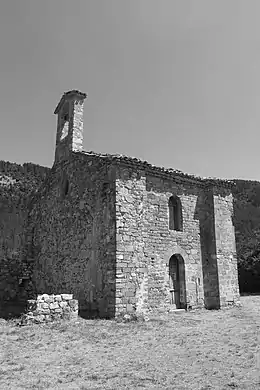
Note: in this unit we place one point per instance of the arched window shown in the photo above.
(175, 213)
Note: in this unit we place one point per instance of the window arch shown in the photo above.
(175, 213)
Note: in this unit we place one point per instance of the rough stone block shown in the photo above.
(44, 311)
(45, 297)
(43, 305)
(55, 316)
(67, 297)
(129, 307)
(54, 305)
(73, 303)
(32, 305)
(130, 293)
(39, 318)
(49, 299)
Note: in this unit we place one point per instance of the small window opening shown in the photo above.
(64, 187)
(66, 117)
(64, 125)
(175, 213)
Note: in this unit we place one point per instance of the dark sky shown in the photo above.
(173, 82)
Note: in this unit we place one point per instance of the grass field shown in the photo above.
(193, 350)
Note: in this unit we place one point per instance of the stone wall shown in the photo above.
(205, 216)
(225, 246)
(48, 308)
(145, 243)
(163, 243)
(72, 233)
(99, 227)
(131, 234)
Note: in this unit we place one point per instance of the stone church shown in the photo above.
(123, 235)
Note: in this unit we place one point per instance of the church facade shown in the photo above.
(122, 235)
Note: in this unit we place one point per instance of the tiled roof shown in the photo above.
(132, 161)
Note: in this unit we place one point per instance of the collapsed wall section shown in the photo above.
(48, 308)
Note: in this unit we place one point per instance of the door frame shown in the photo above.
(177, 283)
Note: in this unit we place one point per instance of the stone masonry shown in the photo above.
(145, 243)
(124, 236)
(48, 308)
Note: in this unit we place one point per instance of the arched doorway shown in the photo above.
(177, 281)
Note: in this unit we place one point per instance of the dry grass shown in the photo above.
(194, 350)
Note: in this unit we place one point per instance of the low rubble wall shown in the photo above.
(47, 308)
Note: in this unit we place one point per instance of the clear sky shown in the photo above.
(173, 82)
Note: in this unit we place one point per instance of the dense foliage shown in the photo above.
(247, 228)
(25, 178)
(17, 184)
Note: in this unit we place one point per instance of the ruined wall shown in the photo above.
(47, 308)
(225, 246)
(17, 184)
(145, 243)
(73, 235)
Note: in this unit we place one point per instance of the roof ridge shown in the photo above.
(122, 157)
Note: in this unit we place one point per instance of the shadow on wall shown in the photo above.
(204, 212)
(99, 303)
(91, 282)
(17, 183)
(91, 310)
(95, 303)
(77, 254)
(13, 296)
